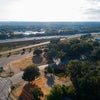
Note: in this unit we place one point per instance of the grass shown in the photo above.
(20, 51)
(19, 44)
(22, 63)
(40, 82)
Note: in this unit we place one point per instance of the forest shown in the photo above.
(82, 59)
(7, 29)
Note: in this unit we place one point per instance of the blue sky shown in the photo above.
(49, 10)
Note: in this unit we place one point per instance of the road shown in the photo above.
(34, 38)
(42, 37)
(26, 47)
(40, 44)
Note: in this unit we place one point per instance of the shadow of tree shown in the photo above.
(25, 94)
(37, 59)
(50, 80)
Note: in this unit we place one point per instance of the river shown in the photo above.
(43, 37)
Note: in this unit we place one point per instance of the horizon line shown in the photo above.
(49, 21)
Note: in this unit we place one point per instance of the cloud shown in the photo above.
(49, 10)
(6, 2)
(93, 11)
(94, 0)
(93, 14)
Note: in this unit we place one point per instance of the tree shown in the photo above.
(55, 41)
(49, 69)
(96, 44)
(23, 49)
(30, 73)
(85, 77)
(9, 54)
(86, 36)
(74, 41)
(60, 92)
(61, 55)
(52, 53)
(37, 52)
(96, 54)
(36, 93)
(56, 93)
(74, 68)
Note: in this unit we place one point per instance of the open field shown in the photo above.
(21, 64)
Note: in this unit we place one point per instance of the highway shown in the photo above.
(41, 37)
(26, 47)
(40, 44)
(33, 38)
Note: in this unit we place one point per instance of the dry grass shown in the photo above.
(41, 83)
(65, 79)
(24, 91)
(22, 63)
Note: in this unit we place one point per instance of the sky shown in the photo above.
(49, 10)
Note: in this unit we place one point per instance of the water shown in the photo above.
(43, 37)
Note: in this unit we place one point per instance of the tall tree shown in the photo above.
(30, 73)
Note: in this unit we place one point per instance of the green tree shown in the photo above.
(74, 68)
(56, 93)
(49, 69)
(74, 41)
(55, 41)
(52, 53)
(30, 73)
(36, 93)
(37, 52)
(85, 78)
(96, 44)
(96, 54)
(23, 49)
(61, 55)
(9, 54)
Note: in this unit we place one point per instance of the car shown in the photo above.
(1, 68)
